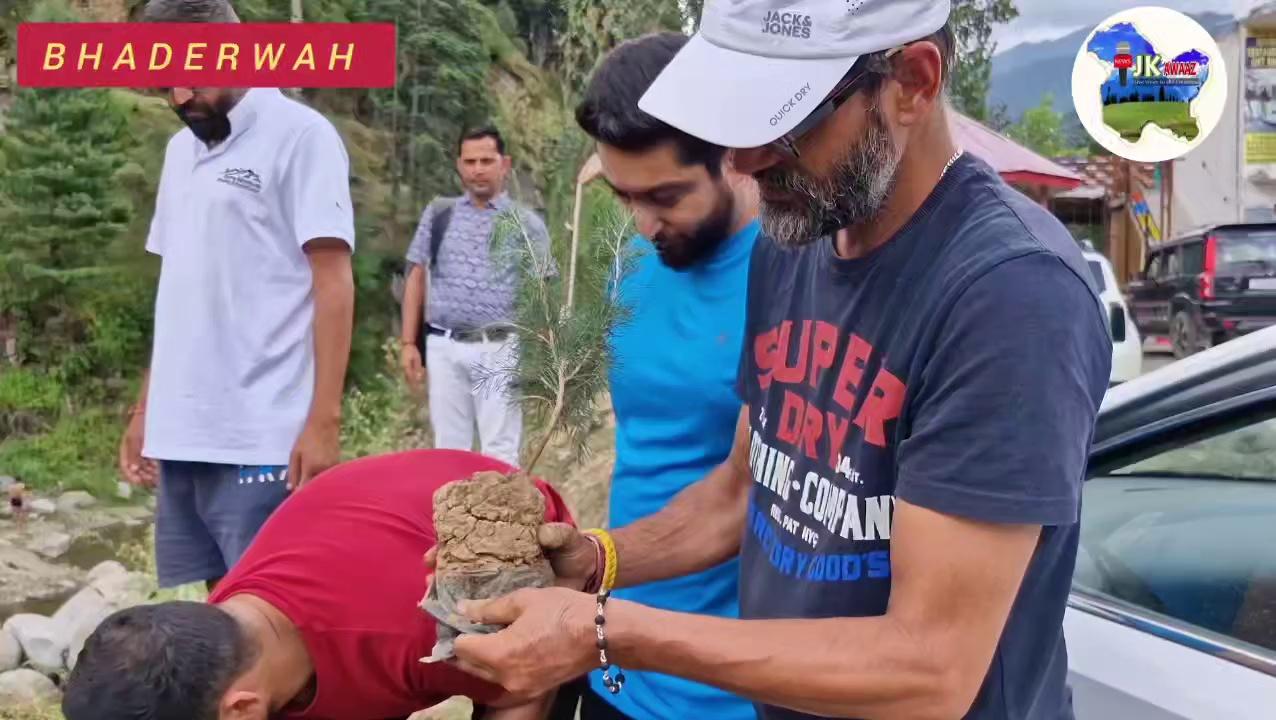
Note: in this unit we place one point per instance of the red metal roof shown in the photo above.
(1014, 162)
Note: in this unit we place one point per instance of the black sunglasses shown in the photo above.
(786, 144)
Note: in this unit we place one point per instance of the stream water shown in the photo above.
(86, 551)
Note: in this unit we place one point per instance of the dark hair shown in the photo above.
(195, 11)
(609, 112)
(487, 131)
(170, 660)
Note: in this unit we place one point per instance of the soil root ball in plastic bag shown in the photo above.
(486, 529)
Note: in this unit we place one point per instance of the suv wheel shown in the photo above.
(1183, 335)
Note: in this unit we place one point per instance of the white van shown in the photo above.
(1127, 346)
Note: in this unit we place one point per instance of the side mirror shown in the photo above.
(1116, 321)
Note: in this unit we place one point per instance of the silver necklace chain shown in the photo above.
(951, 160)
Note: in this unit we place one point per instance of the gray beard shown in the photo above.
(853, 194)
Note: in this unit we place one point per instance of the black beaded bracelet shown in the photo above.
(613, 685)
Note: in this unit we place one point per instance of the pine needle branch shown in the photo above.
(564, 351)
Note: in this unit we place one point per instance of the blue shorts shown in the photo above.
(207, 515)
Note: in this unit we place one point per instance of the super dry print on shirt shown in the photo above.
(831, 501)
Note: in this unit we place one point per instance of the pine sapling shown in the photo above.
(486, 524)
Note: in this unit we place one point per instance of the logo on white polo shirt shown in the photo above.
(242, 178)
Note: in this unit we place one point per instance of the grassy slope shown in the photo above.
(1130, 119)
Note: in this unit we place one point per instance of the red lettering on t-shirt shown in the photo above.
(766, 348)
(884, 402)
(838, 428)
(791, 416)
(852, 372)
(824, 351)
(793, 374)
(812, 429)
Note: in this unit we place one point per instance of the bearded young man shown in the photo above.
(923, 362)
(673, 382)
(254, 316)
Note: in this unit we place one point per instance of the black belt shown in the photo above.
(471, 334)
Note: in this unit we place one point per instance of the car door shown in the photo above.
(1143, 292)
(1173, 610)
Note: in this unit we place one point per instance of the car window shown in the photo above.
(1194, 258)
(1190, 533)
(1153, 271)
(1238, 249)
(1096, 269)
(1173, 263)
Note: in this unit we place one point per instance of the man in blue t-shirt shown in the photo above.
(673, 382)
(924, 358)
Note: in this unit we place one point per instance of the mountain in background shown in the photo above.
(1024, 73)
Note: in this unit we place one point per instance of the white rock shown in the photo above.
(79, 617)
(123, 490)
(41, 641)
(84, 606)
(73, 500)
(80, 635)
(10, 651)
(124, 590)
(51, 544)
(104, 569)
(5, 482)
(19, 688)
(43, 506)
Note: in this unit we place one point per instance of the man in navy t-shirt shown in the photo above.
(698, 222)
(924, 358)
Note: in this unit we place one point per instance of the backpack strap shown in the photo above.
(438, 227)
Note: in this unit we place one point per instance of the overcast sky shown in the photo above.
(1047, 19)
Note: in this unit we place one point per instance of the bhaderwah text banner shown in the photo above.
(195, 55)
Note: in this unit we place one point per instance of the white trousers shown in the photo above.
(464, 389)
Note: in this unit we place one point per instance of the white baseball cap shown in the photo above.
(757, 68)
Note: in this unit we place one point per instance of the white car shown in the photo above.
(1172, 614)
(1127, 345)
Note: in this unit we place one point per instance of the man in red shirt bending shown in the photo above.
(319, 619)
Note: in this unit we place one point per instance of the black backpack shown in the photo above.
(438, 227)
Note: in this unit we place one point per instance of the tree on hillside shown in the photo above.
(61, 207)
(442, 88)
(1041, 129)
(596, 26)
(972, 22)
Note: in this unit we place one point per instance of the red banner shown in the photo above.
(197, 55)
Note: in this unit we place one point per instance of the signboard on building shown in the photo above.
(1260, 97)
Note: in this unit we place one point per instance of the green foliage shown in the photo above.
(33, 712)
(25, 389)
(972, 22)
(77, 453)
(1041, 129)
(564, 349)
(382, 414)
(596, 26)
(440, 90)
(63, 209)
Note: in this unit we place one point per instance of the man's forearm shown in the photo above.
(413, 305)
(842, 667)
(333, 330)
(699, 529)
(144, 392)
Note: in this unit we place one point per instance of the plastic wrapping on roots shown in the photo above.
(447, 590)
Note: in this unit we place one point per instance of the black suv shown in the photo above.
(1207, 286)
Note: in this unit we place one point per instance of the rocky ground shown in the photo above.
(76, 558)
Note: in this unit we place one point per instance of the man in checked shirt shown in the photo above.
(467, 297)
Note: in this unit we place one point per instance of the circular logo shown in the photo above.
(1149, 84)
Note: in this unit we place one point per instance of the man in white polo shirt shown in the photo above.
(253, 318)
